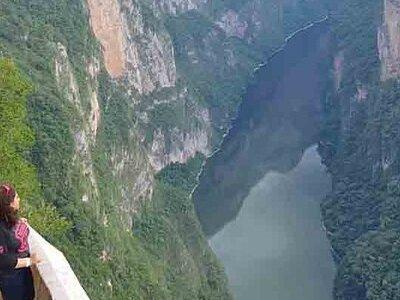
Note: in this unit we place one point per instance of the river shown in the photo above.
(258, 197)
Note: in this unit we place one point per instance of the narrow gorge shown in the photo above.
(110, 109)
(259, 196)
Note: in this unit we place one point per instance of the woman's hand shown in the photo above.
(35, 259)
(24, 220)
(27, 262)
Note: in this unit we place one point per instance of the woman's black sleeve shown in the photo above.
(8, 261)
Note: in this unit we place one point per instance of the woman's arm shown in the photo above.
(11, 261)
(27, 262)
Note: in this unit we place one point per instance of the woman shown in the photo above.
(16, 282)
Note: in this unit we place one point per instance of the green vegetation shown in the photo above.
(170, 228)
(302, 12)
(213, 65)
(167, 258)
(360, 145)
(218, 67)
(111, 259)
(16, 139)
(163, 255)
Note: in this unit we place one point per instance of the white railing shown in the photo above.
(55, 280)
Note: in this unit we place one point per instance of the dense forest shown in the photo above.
(360, 146)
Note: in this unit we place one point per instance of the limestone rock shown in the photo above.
(389, 40)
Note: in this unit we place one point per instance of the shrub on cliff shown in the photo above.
(16, 138)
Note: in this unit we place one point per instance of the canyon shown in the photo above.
(128, 99)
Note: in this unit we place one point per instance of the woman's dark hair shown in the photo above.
(7, 213)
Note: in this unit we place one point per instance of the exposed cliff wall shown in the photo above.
(389, 40)
(248, 21)
(139, 54)
(106, 22)
(147, 52)
(84, 127)
(131, 48)
(173, 112)
(175, 129)
(177, 6)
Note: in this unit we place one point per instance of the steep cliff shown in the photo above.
(360, 146)
(389, 40)
(122, 89)
(176, 6)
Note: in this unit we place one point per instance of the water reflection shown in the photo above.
(278, 120)
(276, 248)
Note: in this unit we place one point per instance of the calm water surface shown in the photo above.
(258, 197)
(276, 249)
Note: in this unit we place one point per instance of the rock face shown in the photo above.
(360, 147)
(106, 22)
(135, 175)
(93, 69)
(338, 69)
(85, 126)
(179, 146)
(389, 40)
(177, 6)
(252, 20)
(139, 56)
(232, 25)
(148, 50)
(132, 50)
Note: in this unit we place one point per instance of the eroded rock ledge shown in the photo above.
(389, 40)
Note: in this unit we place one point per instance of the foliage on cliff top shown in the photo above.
(16, 139)
(172, 232)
